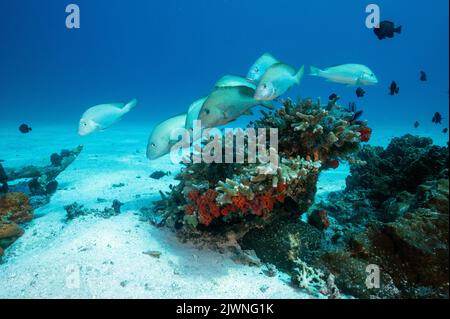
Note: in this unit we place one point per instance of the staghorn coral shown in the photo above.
(312, 137)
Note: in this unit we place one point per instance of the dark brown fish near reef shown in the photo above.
(24, 129)
(332, 96)
(437, 118)
(356, 114)
(416, 124)
(386, 29)
(360, 92)
(394, 89)
(423, 76)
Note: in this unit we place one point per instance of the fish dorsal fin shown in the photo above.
(118, 105)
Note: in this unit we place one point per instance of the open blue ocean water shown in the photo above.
(167, 54)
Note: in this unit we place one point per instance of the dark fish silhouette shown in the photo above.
(437, 118)
(332, 96)
(356, 114)
(24, 129)
(394, 89)
(423, 76)
(386, 29)
(445, 130)
(360, 92)
(416, 124)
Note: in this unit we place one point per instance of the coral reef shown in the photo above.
(393, 213)
(312, 137)
(41, 180)
(76, 210)
(3, 180)
(15, 209)
(388, 216)
(319, 219)
(17, 200)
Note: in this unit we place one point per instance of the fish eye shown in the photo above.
(207, 111)
(85, 124)
(153, 145)
(265, 86)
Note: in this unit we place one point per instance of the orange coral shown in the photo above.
(193, 195)
(227, 210)
(333, 164)
(207, 208)
(16, 207)
(189, 209)
(257, 208)
(281, 188)
(366, 133)
(205, 205)
(241, 203)
(267, 201)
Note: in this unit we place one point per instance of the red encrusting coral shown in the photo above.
(366, 133)
(208, 209)
(333, 164)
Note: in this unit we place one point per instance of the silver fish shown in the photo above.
(234, 80)
(101, 117)
(159, 142)
(193, 112)
(350, 74)
(225, 105)
(277, 80)
(260, 67)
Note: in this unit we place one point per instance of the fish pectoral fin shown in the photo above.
(97, 126)
(248, 112)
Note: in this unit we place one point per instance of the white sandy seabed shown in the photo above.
(92, 257)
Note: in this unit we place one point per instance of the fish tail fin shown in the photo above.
(398, 30)
(130, 105)
(299, 75)
(314, 71)
(268, 104)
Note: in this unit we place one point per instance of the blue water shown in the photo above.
(169, 53)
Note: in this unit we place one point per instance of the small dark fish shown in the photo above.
(437, 118)
(445, 130)
(416, 124)
(158, 174)
(394, 89)
(423, 76)
(386, 29)
(356, 114)
(360, 92)
(24, 129)
(332, 96)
